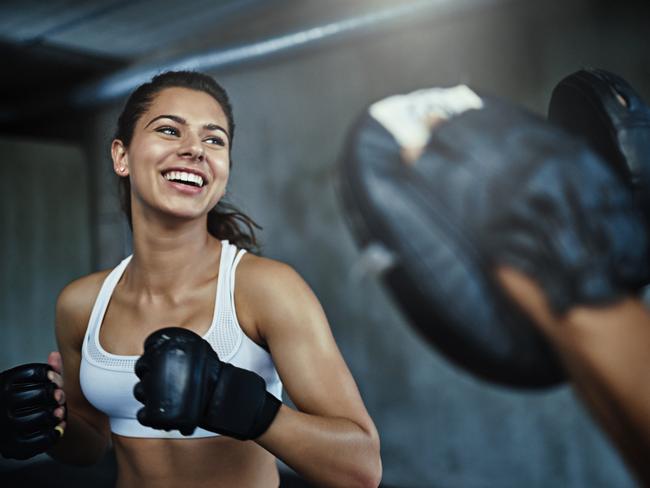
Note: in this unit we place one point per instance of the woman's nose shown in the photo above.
(192, 147)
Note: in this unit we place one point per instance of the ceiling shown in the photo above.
(52, 49)
(116, 30)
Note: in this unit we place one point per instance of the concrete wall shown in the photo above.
(45, 227)
(439, 426)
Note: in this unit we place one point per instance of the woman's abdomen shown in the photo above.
(213, 462)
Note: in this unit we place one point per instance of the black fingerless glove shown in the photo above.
(184, 385)
(27, 404)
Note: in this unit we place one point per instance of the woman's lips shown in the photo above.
(184, 187)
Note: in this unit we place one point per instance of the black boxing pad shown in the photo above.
(453, 215)
(609, 114)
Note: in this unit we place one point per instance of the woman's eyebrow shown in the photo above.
(175, 118)
(181, 120)
(216, 127)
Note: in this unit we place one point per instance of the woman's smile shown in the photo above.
(184, 180)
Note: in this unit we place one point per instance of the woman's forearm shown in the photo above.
(327, 451)
(81, 444)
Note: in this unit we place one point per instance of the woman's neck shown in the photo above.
(170, 257)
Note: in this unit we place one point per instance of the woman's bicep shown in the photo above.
(71, 320)
(305, 353)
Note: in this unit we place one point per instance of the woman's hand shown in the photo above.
(56, 376)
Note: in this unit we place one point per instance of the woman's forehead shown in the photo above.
(192, 105)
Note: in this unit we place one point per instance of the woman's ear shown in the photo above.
(120, 158)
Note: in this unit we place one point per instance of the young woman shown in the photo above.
(189, 269)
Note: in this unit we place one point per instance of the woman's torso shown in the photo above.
(117, 329)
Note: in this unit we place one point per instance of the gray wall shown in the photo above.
(439, 427)
(45, 228)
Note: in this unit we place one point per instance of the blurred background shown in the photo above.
(298, 73)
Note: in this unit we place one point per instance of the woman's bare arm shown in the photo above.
(330, 440)
(87, 434)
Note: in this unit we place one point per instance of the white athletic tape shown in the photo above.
(410, 117)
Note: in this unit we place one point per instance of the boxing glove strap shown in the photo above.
(266, 416)
(240, 406)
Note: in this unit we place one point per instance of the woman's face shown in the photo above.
(178, 160)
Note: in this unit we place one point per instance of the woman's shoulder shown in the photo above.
(272, 287)
(276, 301)
(76, 299)
(265, 274)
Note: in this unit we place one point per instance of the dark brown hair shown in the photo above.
(225, 221)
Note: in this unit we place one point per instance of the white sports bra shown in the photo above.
(107, 380)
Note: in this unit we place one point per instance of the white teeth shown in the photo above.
(184, 176)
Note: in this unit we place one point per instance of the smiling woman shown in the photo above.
(182, 132)
(223, 220)
(180, 354)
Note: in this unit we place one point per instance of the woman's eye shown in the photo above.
(216, 140)
(170, 131)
